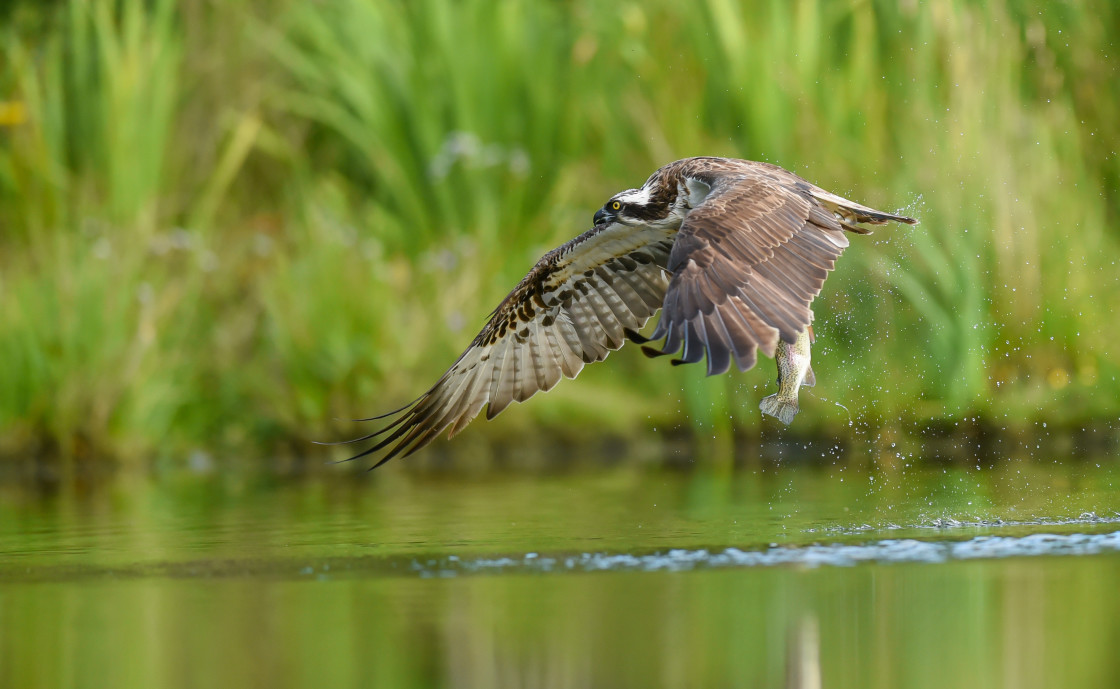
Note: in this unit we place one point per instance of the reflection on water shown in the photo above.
(939, 575)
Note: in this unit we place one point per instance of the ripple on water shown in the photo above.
(827, 555)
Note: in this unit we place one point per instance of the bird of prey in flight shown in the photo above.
(732, 252)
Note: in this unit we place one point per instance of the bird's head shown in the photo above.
(635, 205)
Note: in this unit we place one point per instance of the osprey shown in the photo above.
(732, 252)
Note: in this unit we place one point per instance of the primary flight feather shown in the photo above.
(732, 251)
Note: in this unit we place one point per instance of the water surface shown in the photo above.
(922, 574)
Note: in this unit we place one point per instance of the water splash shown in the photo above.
(826, 555)
(941, 523)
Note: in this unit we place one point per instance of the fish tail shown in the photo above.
(782, 409)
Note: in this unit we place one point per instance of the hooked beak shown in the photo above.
(601, 217)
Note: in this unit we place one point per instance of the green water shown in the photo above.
(924, 574)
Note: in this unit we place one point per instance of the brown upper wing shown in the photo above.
(572, 309)
(746, 265)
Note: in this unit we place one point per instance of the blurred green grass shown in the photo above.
(227, 225)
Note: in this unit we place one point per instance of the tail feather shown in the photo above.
(853, 212)
(874, 217)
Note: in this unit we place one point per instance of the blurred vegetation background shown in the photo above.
(226, 225)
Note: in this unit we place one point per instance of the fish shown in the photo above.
(794, 372)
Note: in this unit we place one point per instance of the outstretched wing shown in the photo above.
(573, 308)
(746, 265)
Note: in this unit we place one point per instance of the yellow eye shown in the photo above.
(615, 205)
